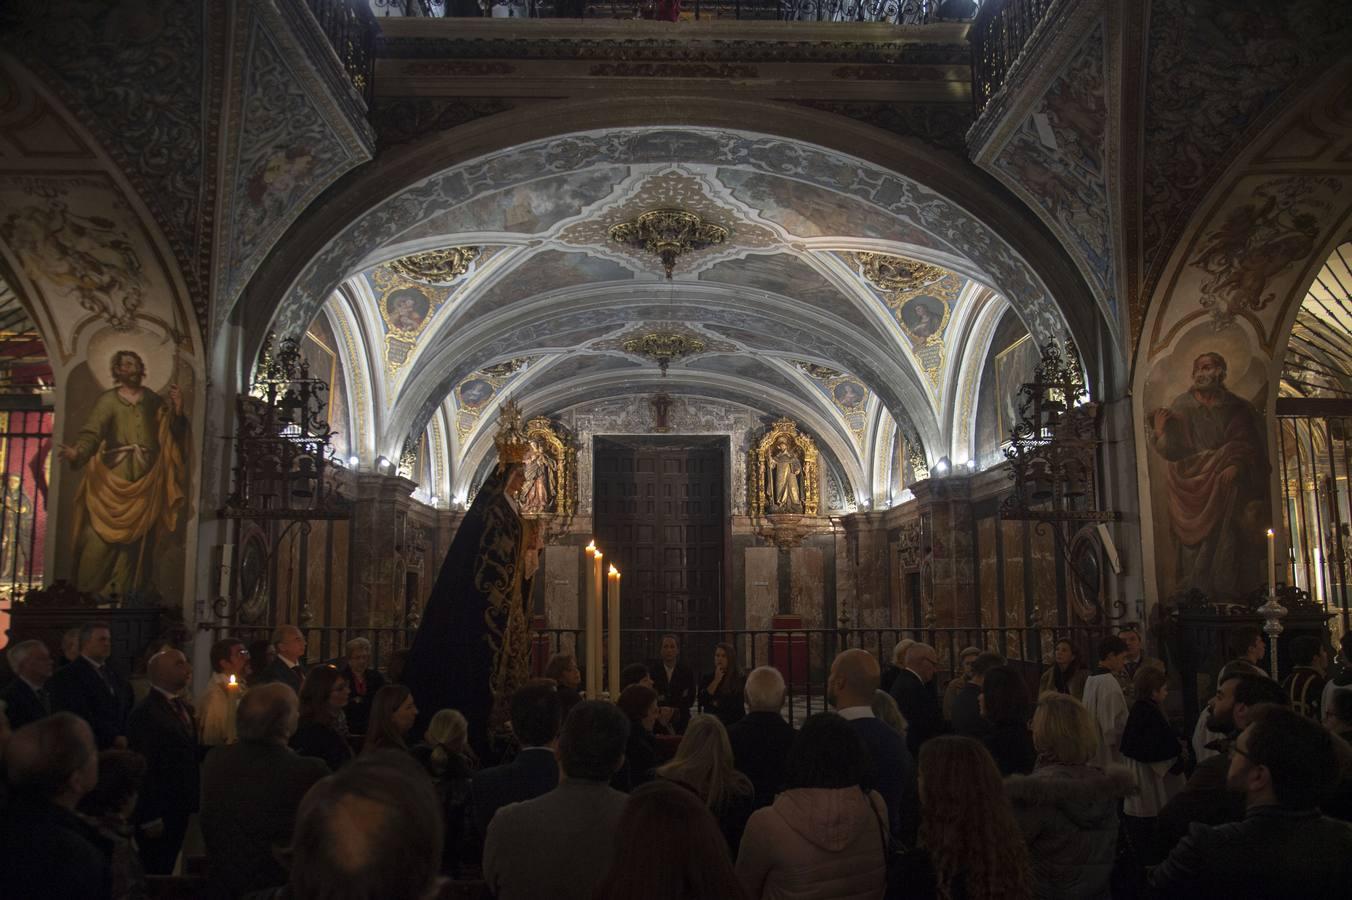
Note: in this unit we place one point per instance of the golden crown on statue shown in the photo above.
(511, 441)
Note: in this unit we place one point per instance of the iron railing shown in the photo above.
(802, 655)
(999, 33)
(1315, 449)
(351, 29)
(897, 12)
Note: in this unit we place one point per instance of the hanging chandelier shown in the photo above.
(668, 234)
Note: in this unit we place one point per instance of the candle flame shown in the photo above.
(1269, 532)
(232, 679)
(599, 554)
(591, 546)
(614, 571)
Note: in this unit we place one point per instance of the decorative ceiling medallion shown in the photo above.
(664, 347)
(436, 266)
(668, 234)
(897, 273)
(503, 369)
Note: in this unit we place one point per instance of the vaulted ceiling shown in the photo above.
(857, 315)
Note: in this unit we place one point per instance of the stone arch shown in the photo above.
(1233, 286)
(1031, 269)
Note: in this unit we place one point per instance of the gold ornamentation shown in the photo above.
(511, 440)
(436, 266)
(823, 373)
(664, 347)
(897, 273)
(551, 471)
(782, 469)
(668, 234)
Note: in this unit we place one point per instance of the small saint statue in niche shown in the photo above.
(541, 480)
(786, 478)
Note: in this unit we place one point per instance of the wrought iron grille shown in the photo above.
(1315, 460)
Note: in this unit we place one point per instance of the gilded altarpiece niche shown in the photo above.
(550, 489)
(783, 469)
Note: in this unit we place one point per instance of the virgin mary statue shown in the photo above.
(472, 649)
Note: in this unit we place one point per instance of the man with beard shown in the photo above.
(1204, 799)
(133, 450)
(1283, 766)
(1216, 451)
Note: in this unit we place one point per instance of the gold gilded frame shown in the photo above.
(542, 432)
(759, 462)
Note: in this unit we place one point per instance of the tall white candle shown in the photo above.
(613, 644)
(590, 626)
(1272, 563)
(594, 649)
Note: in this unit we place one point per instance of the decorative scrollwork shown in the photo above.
(664, 347)
(897, 273)
(669, 234)
(436, 266)
(783, 473)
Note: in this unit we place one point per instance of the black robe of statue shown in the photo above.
(473, 639)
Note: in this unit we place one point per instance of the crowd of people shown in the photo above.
(307, 783)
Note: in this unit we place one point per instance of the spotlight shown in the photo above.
(382, 462)
(432, 501)
(971, 464)
(352, 461)
(941, 466)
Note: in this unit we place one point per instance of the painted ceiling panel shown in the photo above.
(530, 208)
(548, 270)
(789, 276)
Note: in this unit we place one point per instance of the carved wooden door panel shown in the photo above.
(661, 515)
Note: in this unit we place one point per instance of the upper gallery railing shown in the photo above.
(897, 12)
(351, 29)
(998, 36)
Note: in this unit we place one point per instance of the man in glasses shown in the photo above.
(1284, 765)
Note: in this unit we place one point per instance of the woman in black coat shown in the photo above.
(1004, 703)
(1156, 755)
(721, 693)
(320, 732)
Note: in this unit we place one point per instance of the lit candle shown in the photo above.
(1272, 563)
(588, 622)
(613, 646)
(595, 652)
(232, 689)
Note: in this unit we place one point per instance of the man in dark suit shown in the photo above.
(761, 739)
(161, 729)
(46, 849)
(286, 669)
(535, 770)
(674, 682)
(27, 698)
(850, 688)
(560, 845)
(916, 697)
(251, 791)
(91, 689)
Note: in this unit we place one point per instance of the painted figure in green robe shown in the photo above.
(133, 449)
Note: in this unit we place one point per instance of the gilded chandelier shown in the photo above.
(668, 234)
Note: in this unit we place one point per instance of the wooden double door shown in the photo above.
(661, 515)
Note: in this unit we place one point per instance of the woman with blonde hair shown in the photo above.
(703, 763)
(446, 755)
(1067, 809)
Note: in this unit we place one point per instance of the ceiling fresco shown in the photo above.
(784, 315)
